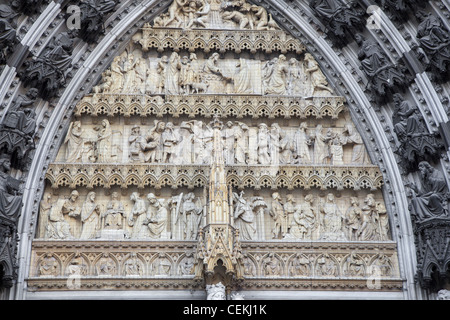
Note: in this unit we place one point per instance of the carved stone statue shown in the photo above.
(351, 136)
(300, 266)
(321, 151)
(7, 31)
(279, 216)
(241, 143)
(434, 40)
(103, 142)
(384, 77)
(153, 144)
(297, 78)
(336, 151)
(263, 144)
(75, 142)
(47, 72)
(443, 295)
(400, 10)
(156, 217)
(229, 142)
(169, 141)
(271, 265)
(301, 145)
(274, 144)
(276, 76)
(191, 215)
(113, 217)
(137, 217)
(93, 14)
(90, 217)
(17, 130)
(352, 220)
(319, 83)
(172, 77)
(28, 7)
(428, 201)
(137, 145)
(53, 225)
(331, 220)
(303, 219)
(341, 19)
(133, 266)
(117, 78)
(72, 210)
(21, 117)
(287, 148)
(416, 143)
(370, 220)
(10, 194)
(242, 78)
(244, 218)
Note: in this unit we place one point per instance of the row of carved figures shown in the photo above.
(180, 217)
(192, 142)
(270, 265)
(190, 14)
(174, 75)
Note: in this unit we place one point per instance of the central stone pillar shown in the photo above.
(218, 249)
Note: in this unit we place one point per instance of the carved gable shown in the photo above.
(283, 192)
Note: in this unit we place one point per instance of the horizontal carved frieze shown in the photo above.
(208, 40)
(238, 106)
(192, 176)
(93, 265)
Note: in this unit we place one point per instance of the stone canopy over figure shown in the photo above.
(415, 142)
(434, 40)
(384, 77)
(340, 18)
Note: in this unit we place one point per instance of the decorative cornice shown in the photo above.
(207, 105)
(218, 40)
(160, 175)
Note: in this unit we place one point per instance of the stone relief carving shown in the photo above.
(180, 217)
(92, 13)
(7, 32)
(155, 143)
(10, 209)
(430, 201)
(47, 72)
(341, 19)
(190, 142)
(101, 144)
(415, 142)
(216, 14)
(173, 74)
(385, 77)
(17, 129)
(434, 41)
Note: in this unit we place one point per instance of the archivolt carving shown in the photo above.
(322, 177)
(200, 105)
